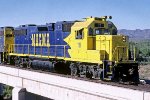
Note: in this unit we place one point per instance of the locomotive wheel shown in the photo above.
(29, 64)
(21, 60)
(82, 69)
(74, 69)
(17, 61)
(12, 60)
(89, 73)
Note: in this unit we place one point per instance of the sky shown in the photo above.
(126, 14)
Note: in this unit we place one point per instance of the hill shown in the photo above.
(137, 34)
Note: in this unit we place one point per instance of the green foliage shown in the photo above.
(143, 48)
(7, 92)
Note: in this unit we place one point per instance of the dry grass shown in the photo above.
(144, 72)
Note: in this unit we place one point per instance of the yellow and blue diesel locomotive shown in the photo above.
(89, 48)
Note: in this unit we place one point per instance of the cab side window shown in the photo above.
(91, 33)
(98, 31)
(102, 31)
(79, 34)
(99, 25)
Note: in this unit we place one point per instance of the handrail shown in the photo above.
(116, 49)
(13, 48)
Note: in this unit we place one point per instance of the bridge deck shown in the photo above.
(62, 88)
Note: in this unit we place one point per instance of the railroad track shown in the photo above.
(141, 87)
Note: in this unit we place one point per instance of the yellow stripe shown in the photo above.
(63, 58)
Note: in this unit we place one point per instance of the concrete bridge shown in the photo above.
(61, 88)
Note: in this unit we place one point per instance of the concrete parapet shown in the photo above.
(146, 96)
(61, 88)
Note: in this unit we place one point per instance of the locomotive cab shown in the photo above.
(90, 40)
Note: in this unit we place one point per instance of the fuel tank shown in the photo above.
(45, 65)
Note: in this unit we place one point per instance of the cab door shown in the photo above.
(91, 39)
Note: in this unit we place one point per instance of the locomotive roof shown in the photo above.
(65, 21)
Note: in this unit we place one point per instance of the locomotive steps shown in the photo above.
(62, 88)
